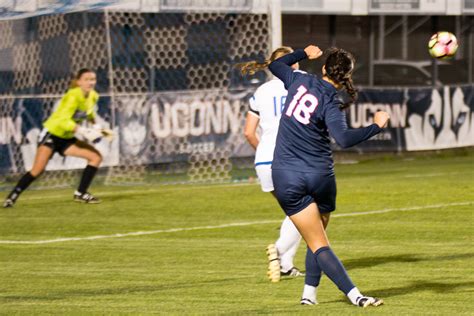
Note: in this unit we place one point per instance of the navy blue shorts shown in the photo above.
(296, 190)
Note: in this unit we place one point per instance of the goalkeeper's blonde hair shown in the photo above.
(251, 67)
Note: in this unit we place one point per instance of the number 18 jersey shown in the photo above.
(311, 113)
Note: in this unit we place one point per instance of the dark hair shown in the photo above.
(251, 67)
(78, 76)
(339, 66)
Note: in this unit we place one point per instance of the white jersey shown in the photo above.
(267, 104)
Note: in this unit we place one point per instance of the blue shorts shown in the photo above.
(296, 190)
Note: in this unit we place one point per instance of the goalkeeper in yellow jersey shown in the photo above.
(58, 135)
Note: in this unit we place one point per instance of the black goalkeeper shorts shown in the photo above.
(57, 144)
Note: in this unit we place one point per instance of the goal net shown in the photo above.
(166, 78)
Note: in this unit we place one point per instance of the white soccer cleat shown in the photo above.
(293, 272)
(376, 302)
(307, 301)
(85, 198)
(364, 301)
(8, 203)
(273, 272)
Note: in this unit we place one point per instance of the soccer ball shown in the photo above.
(443, 45)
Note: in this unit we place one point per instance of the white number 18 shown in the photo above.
(302, 105)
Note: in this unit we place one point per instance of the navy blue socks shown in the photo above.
(333, 268)
(313, 271)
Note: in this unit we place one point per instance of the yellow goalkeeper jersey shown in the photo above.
(73, 108)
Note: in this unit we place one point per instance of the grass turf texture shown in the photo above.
(418, 261)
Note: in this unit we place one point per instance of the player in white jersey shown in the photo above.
(265, 111)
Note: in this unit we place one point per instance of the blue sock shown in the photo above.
(313, 271)
(333, 268)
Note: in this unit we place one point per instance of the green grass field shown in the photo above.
(418, 255)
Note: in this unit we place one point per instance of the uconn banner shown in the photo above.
(182, 126)
(420, 119)
(149, 128)
(177, 126)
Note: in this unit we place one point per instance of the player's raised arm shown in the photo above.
(281, 67)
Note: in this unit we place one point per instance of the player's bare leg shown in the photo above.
(43, 154)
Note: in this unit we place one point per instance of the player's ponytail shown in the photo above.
(78, 76)
(349, 87)
(251, 67)
(339, 66)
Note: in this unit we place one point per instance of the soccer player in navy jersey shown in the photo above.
(303, 167)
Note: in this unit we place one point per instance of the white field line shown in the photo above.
(101, 193)
(172, 230)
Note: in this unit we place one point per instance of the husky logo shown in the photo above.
(133, 117)
(440, 119)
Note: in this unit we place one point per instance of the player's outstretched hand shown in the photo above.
(381, 118)
(107, 133)
(313, 52)
(90, 134)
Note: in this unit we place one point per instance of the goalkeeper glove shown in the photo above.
(106, 133)
(90, 134)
